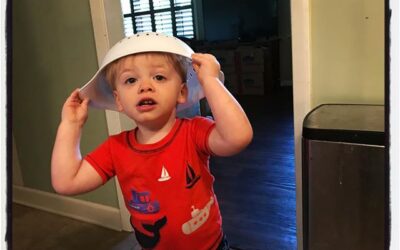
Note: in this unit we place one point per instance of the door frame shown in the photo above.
(301, 56)
(108, 29)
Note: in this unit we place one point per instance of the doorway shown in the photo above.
(256, 188)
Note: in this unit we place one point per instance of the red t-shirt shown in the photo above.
(167, 186)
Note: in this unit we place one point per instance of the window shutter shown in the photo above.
(184, 23)
(164, 22)
(159, 16)
(161, 4)
(140, 5)
(143, 23)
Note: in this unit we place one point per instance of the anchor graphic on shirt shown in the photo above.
(151, 236)
(191, 177)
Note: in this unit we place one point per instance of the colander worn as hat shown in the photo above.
(101, 94)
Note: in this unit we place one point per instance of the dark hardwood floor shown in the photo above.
(256, 188)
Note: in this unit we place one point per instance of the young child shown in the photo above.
(162, 164)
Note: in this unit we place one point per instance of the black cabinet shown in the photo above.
(344, 177)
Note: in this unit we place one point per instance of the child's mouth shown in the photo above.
(146, 104)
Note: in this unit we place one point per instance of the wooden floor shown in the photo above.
(256, 188)
(34, 229)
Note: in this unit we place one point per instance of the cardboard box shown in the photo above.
(249, 55)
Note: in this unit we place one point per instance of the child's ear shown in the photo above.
(117, 101)
(183, 94)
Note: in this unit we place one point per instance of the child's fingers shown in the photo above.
(75, 92)
(206, 63)
(85, 102)
(197, 61)
(204, 59)
(198, 58)
(74, 96)
(196, 67)
(203, 56)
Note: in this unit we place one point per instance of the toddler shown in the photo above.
(163, 164)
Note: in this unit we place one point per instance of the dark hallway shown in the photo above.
(256, 188)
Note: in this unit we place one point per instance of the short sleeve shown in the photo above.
(201, 128)
(101, 160)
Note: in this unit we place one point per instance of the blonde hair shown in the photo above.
(110, 71)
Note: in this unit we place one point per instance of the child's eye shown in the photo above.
(159, 77)
(130, 80)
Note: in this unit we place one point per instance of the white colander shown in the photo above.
(101, 94)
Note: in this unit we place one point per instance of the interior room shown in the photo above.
(280, 60)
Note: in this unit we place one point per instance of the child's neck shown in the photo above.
(149, 135)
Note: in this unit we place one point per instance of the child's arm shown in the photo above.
(69, 173)
(233, 131)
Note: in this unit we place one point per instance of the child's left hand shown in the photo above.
(232, 130)
(206, 66)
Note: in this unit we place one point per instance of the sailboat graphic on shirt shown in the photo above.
(191, 177)
(164, 175)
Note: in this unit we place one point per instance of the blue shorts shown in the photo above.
(224, 245)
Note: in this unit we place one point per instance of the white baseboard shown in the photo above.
(86, 211)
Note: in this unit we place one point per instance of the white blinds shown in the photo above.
(172, 20)
(141, 5)
(161, 4)
(164, 22)
(179, 3)
(143, 23)
(184, 23)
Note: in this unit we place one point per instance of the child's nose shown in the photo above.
(146, 86)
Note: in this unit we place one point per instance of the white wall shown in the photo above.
(347, 51)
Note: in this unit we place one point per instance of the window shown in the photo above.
(172, 17)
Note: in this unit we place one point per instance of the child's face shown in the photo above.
(148, 88)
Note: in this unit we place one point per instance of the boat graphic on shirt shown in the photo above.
(199, 217)
(191, 177)
(141, 203)
(164, 175)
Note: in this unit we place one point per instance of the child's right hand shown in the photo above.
(75, 110)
